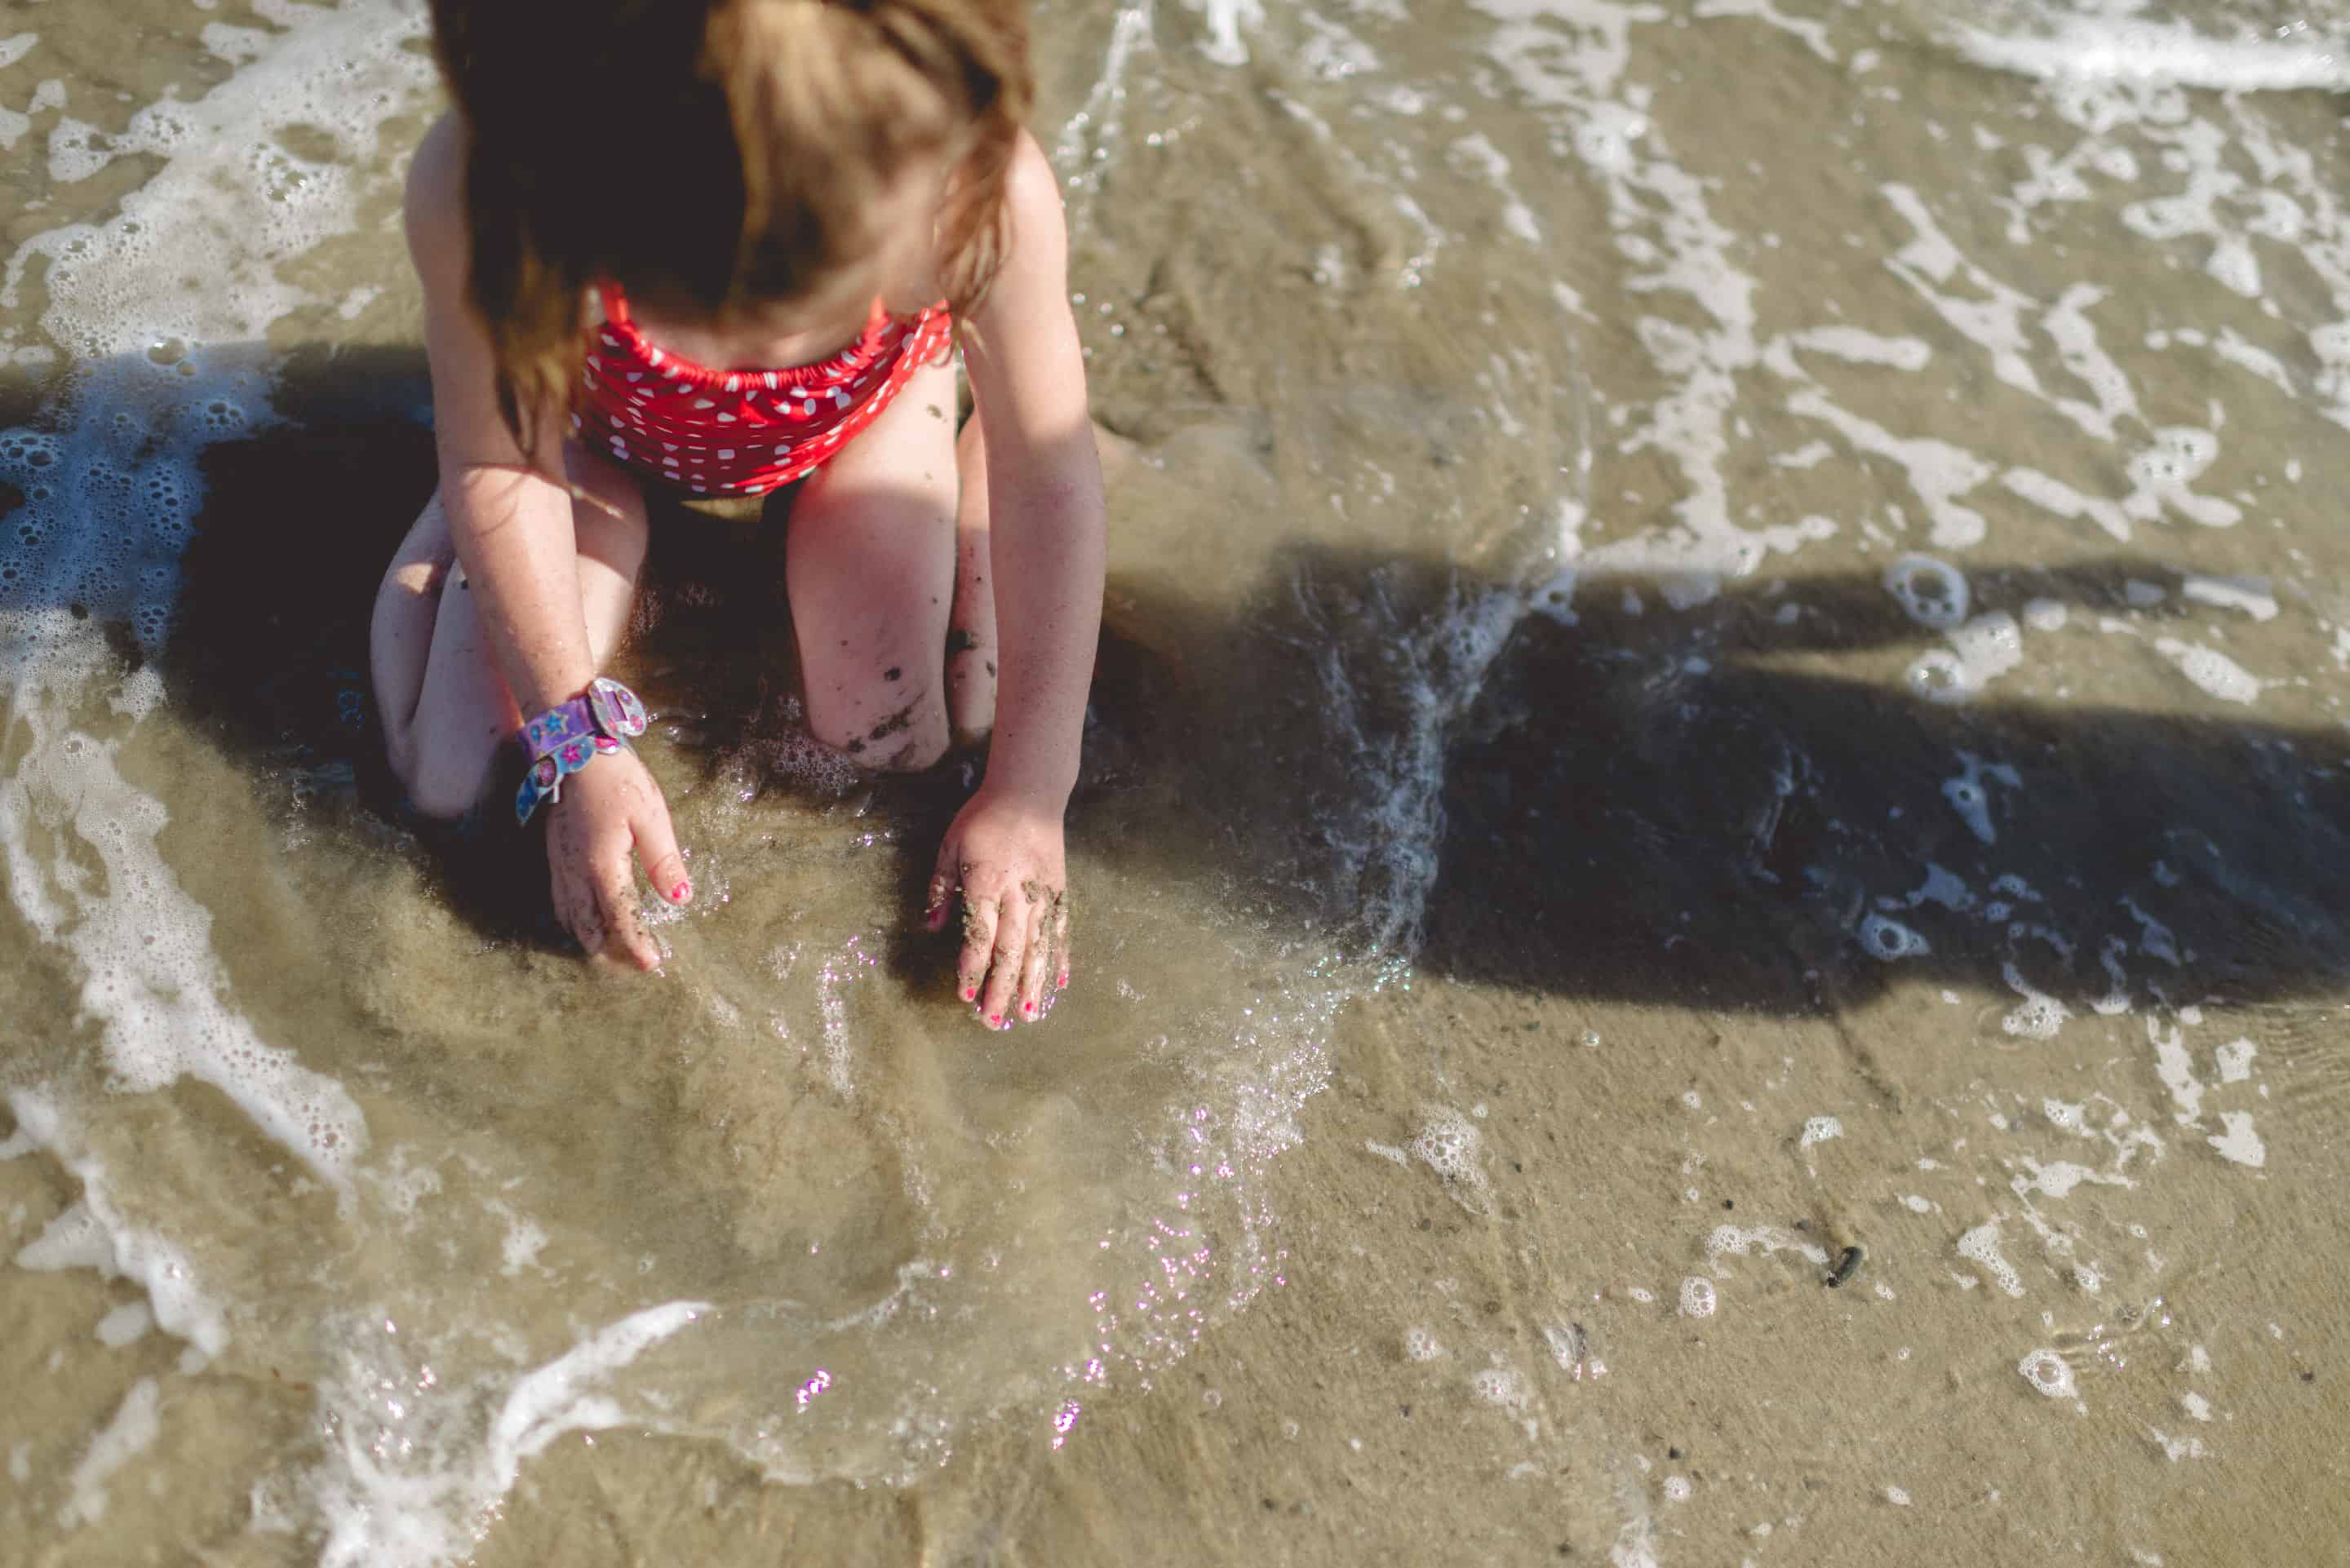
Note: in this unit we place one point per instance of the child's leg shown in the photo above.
(444, 704)
(870, 562)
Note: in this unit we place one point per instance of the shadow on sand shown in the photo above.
(1619, 818)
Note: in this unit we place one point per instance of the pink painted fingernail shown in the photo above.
(681, 893)
(937, 917)
(1029, 1008)
(971, 994)
(995, 1021)
(1064, 983)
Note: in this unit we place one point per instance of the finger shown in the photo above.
(615, 909)
(1004, 962)
(1061, 941)
(657, 849)
(938, 899)
(573, 912)
(1039, 954)
(979, 922)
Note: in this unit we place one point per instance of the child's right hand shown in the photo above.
(608, 808)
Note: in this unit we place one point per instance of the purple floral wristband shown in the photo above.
(570, 735)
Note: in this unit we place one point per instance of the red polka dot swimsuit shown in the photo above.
(741, 432)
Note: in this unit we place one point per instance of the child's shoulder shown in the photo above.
(1035, 222)
(433, 209)
(1031, 185)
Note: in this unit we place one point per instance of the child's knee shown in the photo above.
(421, 577)
(882, 730)
(918, 754)
(438, 795)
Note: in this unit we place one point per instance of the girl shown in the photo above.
(726, 246)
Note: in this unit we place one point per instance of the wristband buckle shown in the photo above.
(568, 736)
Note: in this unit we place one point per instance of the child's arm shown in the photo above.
(512, 528)
(1047, 547)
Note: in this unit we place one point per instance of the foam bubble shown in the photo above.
(1448, 1144)
(1819, 1129)
(2213, 671)
(1980, 1246)
(1421, 1345)
(1970, 797)
(524, 1240)
(1500, 1386)
(132, 1431)
(1896, 1496)
(1677, 1488)
(2254, 596)
(1697, 1298)
(1980, 652)
(1737, 1240)
(1888, 940)
(125, 1325)
(2235, 1059)
(2039, 1016)
(2048, 1371)
(1930, 592)
(2237, 1141)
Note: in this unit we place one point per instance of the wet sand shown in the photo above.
(1542, 905)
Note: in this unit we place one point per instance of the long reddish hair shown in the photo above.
(712, 155)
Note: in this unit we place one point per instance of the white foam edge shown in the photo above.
(150, 977)
(377, 1518)
(92, 1234)
(190, 254)
(2150, 54)
(132, 1431)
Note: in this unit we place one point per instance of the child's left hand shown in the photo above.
(1003, 857)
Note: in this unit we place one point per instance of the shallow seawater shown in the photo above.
(1712, 852)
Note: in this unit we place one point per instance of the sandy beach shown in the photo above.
(1710, 854)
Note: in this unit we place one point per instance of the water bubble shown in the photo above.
(1888, 940)
(1933, 593)
(2048, 1371)
(1500, 1386)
